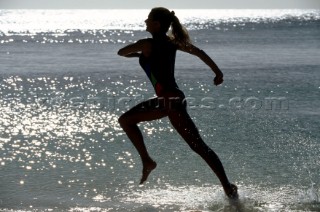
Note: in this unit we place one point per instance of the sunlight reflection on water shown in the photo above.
(45, 120)
(122, 26)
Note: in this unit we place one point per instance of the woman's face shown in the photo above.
(152, 26)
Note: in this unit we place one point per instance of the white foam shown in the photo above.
(211, 197)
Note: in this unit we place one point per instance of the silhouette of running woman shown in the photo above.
(157, 58)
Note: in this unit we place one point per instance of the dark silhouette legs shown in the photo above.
(181, 121)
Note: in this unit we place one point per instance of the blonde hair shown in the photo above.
(179, 33)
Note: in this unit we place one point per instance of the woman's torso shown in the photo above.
(159, 65)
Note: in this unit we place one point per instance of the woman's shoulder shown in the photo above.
(145, 46)
(145, 40)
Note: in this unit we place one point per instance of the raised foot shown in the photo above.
(232, 192)
(147, 169)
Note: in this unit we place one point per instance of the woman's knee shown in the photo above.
(123, 120)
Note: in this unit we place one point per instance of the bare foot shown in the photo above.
(147, 169)
(232, 192)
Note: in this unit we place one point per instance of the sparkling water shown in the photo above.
(63, 87)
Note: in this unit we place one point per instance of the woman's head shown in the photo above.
(163, 16)
(162, 19)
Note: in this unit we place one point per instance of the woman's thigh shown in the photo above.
(148, 110)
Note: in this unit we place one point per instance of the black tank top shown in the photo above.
(159, 66)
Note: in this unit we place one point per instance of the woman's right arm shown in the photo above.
(135, 49)
(191, 49)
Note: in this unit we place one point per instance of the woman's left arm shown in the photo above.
(191, 49)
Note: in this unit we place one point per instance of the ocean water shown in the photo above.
(63, 87)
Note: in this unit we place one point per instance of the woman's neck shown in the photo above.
(159, 35)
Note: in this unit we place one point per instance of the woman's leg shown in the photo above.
(145, 111)
(182, 122)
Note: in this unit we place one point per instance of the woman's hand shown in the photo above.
(218, 79)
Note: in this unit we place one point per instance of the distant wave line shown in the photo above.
(34, 21)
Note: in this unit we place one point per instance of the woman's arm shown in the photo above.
(136, 54)
(191, 49)
(135, 49)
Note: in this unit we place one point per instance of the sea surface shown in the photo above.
(63, 88)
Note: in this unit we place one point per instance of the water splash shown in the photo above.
(211, 198)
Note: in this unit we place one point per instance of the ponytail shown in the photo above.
(179, 33)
